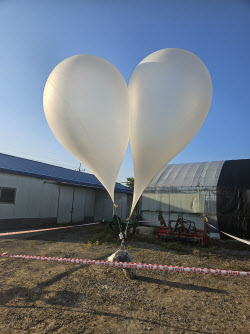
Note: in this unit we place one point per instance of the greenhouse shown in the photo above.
(218, 189)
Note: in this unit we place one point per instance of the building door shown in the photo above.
(64, 214)
(78, 205)
(107, 212)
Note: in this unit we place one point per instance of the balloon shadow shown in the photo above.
(182, 286)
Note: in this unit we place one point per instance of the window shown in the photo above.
(7, 195)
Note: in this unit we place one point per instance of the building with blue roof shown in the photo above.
(34, 193)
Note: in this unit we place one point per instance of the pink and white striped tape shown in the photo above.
(144, 266)
(45, 229)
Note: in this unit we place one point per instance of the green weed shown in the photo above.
(129, 247)
(196, 252)
(89, 245)
(101, 237)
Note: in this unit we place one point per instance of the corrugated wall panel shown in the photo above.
(34, 198)
(89, 205)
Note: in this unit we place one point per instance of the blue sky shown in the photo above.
(36, 35)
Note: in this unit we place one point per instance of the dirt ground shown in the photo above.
(49, 297)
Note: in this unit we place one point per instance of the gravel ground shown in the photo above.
(48, 297)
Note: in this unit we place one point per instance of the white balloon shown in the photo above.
(86, 106)
(170, 95)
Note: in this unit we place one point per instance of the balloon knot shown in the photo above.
(115, 205)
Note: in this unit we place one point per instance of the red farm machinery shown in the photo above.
(184, 230)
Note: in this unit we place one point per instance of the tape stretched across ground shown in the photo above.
(44, 230)
(130, 265)
(231, 236)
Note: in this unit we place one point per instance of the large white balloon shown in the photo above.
(170, 94)
(86, 106)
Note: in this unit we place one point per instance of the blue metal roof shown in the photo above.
(20, 166)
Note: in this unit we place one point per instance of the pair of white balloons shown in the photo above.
(93, 113)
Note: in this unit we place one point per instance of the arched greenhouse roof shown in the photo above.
(198, 174)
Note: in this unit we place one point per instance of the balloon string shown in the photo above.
(126, 230)
(118, 222)
(121, 236)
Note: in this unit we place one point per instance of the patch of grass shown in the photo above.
(102, 237)
(212, 256)
(235, 245)
(114, 244)
(196, 252)
(238, 267)
(175, 245)
(89, 245)
(212, 248)
(151, 239)
(229, 244)
(140, 253)
(172, 245)
(129, 247)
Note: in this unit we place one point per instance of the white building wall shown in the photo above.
(76, 204)
(65, 204)
(48, 199)
(89, 204)
(121, 201)
(6, 180)
(79, 200)
(34, 198)
(41, 199)
(104, 205)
